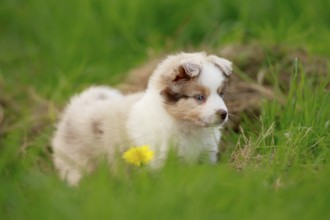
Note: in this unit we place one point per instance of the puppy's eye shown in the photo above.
(221, 94)
(199, 97)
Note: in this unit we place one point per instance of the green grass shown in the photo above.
(276, 168)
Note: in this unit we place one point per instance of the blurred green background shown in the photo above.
(52, 49)
(44, 42)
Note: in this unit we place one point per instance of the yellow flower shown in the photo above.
(138, 155)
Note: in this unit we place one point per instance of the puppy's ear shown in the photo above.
(225, 66)
(187, 71)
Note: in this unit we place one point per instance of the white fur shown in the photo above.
(101, 121)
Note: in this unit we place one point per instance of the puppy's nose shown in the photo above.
(222, 113)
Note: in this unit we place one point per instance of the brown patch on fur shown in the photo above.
(97, 128)
(102, 96)
(180, 76)
(181, 84)
(174, 91)
(179, 99)
(186, 72)
(170, 97)
(185, 110)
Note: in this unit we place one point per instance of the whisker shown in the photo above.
(232, 116)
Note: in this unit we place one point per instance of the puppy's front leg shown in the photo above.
(160, 157)
(213, 157)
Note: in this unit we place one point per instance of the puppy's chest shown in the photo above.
(192, 146)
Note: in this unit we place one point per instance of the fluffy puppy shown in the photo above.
(181, 109)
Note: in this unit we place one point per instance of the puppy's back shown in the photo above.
(93, 123)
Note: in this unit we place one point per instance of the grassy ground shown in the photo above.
(276, 168)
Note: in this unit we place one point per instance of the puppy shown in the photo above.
(182, 110)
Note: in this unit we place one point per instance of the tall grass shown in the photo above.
(293, 134)
(279, 168)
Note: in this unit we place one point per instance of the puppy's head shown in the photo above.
(192, 85)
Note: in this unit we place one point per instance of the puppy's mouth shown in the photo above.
(216, 123)
(203, 124)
